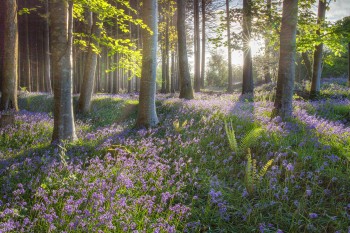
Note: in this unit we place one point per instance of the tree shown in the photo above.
(87, 85)
(248, 84)
(203, 44)
(61, 42)
(10, 73)
(317, 66)
(147, 115)
(286, 71)
(230, 78)
(186, 91)
(197, 51)
(267, 74)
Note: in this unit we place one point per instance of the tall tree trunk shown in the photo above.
(317, 67)
(147, 115)
(173, 71)
(61, 42)
(47, 51)
(286, 70)
(27, 55)
(228, 25)
(186, 91)
(267, 74)
(248, 83)
(203, 44)
(167, 64)
(2, 40)
(197, 50)
(308, 65)
(87, 86)
(10, 68)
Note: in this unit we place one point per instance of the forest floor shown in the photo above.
(185, 175)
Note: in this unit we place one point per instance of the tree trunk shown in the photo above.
(27, 57)
(186, 91)
(10, 68)
(286, 70)
(230, 78)
(203, 45)
(197, 51)
(87, 86)
(47, 52)
(267, 73)
(167, 77)
(317, 67)
(248, 83)
(61, 42)
(147, 115)
(308, 65)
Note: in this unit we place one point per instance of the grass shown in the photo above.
(182, 176)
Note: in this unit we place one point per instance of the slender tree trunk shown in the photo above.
(248, 83)
(230, 78)
(2, 40)
(267, 74)
(317, 67)
(286, 70)
(197, 51)
(147, 115)
(308, 65)
(61, 42)
(10, 68)
(186, 91)
(203, 44)
(47, 51)
(27, 54)
(173, 71)
(87, 86)
(167, 64)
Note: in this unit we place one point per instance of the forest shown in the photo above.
(175, 116)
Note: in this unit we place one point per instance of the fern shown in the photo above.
(231, 137)
(250, 138)
(252, 176)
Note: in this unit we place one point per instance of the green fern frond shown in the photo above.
(231, 137)
(251, 138)
(265, 168)
(249, 180)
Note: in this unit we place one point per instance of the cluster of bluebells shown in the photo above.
(148, 182)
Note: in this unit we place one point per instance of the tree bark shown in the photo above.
(47, 52)
(197, 51)
(203, 44)
(61, 42)
(147, 115)
(87, 86)
(317, 66)
(267, 73)
(248, 83)
(308, 65)
(286, 71)
(10, 67)
(230, 78)
(186, 91)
